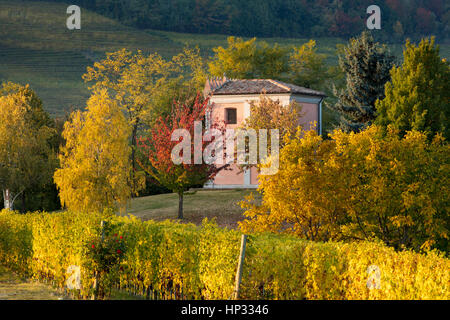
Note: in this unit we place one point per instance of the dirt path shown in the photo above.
(13, 287)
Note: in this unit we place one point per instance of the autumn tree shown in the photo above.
(164, 156)
(27, 155)
(95, 167)
(366, 66)
(308, 68)
(38, 117)
(364, 186)
(144, 87)
(268, 114)
(296, 199)
(249, 60)
(418, 98)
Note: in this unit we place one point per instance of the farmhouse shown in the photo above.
(230, 102)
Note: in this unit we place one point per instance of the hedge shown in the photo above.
(184, 261)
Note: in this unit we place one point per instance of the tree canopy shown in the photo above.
(366, 65)
(95, 167)
(27, 143)
(418, 98)
(249, 59)
(363, 186)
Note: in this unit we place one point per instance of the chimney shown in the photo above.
(213, 84)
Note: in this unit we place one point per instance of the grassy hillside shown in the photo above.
(220, 204)
(37, 48)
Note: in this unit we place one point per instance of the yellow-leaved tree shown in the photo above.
(95, 168)
(27, 158)
(268, 114)
(249, 59)
(360, 186)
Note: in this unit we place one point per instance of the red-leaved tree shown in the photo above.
(158, 146)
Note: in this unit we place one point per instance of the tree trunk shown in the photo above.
(133, 156)
(180, 205)
(7, 204)
(23, 203)
(8, 199)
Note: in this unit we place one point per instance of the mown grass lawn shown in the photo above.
(223, 205)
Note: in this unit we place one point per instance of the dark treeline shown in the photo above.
(280, 18)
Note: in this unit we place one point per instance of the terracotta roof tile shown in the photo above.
(257, 86)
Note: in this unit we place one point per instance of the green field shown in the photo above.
(220, 204)
(37, 48)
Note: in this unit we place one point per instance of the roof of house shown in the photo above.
(255, 86)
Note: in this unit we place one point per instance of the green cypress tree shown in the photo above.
(366, 66)
(419, 95)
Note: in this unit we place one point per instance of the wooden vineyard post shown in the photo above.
(240, 267)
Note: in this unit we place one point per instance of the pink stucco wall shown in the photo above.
(231, 176)
(218, 113)
(254, 176)
(310, 114)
